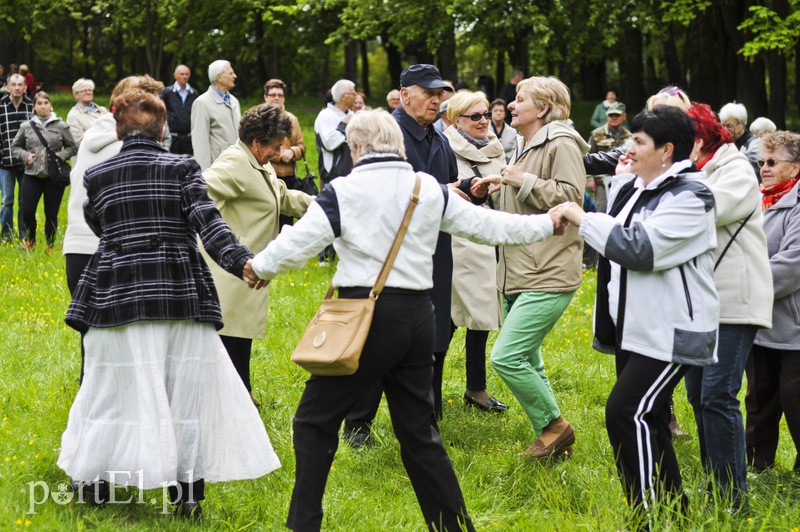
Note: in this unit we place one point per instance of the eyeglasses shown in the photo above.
(672, 90)
(276, 95)
(771, 162)
(476, 117)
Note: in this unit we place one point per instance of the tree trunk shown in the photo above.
(362, 45)
(520, 55)
(500, 70)
(594, 82)
(797, 75)
(446, 56)
(394, 62)
(261, 59)
(351, 60)
(675, 72)
(777, 89)
(632, 65)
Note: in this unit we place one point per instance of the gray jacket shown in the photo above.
(782, 227)
(57, 135)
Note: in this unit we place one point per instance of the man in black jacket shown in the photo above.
(179, 98)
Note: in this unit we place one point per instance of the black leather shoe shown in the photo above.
(95, 493)
(190, 510)
(358, 438)
(492, 405)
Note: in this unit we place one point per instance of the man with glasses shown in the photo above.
(179, 98)
(334, 153)
(293, 148)
(15, 108)
(733, 117)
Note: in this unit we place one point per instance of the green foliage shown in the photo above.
(770, 31)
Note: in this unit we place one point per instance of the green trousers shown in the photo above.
(517, 354)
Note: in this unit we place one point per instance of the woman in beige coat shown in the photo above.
(475, 300)
(250, 198)
(538, 281)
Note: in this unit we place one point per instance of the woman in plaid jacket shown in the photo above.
(160, 400)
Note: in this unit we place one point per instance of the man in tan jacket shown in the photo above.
(215, 115)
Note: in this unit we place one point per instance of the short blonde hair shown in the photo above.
(463, 101)
(376, 132)
(787, 140)
(80, 85)
(674, 96)
(145, 83)
(548, 91)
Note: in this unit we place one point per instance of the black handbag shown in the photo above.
(57, 169)
(308, 183)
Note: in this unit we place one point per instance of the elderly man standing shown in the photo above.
(179, 98)
(733, 117)
(15, 108)
(334, 153)
(215, 115)
(393, 100)
(428, 151)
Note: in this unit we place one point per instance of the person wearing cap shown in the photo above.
(421, 94)
(607, 137)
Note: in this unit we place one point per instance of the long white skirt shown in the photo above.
(161, 401)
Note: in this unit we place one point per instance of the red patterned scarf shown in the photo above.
(776, 192)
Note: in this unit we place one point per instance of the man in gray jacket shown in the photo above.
(215, 115)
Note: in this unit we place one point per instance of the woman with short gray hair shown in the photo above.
(85, 112)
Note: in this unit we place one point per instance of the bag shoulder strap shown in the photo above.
(398, 241)
(475, 168)
(735, 234)
(41, 137)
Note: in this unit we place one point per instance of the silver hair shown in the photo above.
(376, 131)
(733, 110)
(216, 68)
(80, 85)
(340, 88)
(762, 125)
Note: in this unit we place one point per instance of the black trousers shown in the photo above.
(181, 144)
(32, 190)
(291, 184)
(239, 351)
(773, 390)
(75, 264)
(637, 421)
(397, 353)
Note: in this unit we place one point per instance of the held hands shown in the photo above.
(624, 165)
(485, 185)
(250, 277)
(564, 214)
(454, 187)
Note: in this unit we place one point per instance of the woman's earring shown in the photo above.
(663, 165)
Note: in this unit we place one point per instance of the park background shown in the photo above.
(584, 43)
(717, 50)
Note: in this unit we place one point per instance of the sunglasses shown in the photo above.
(770, 162)
(476, 117)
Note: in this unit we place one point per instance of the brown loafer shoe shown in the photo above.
(561, 446)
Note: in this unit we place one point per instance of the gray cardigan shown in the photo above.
(782, 227)
(57, 135)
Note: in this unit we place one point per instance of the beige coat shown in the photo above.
(80, 118)
(215, 126)
(249, 197)
(475, 301)
(553, 164)
(296, 144)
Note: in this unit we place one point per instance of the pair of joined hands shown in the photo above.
(564, 214)
(249, 276)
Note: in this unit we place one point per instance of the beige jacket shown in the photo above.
(475, 302)
(250, 198)
(554, 173)
(296, 144)
(215, 126)
(80, 118)
(743, 277)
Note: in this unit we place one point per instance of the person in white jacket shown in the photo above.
(743, 280)
(360, 214)
(100, 142)
(657, 308)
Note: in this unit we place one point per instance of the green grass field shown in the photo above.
(368, 489)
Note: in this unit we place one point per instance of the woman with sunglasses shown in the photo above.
(743, 280)
(538, 281)
(475, 302)
(773, 370)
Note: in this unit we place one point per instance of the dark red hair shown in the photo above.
(707, 127)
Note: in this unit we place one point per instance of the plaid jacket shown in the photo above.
(147, 206)
(11, 118)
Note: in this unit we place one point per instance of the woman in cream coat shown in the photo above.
(475, 301)
(250, 198)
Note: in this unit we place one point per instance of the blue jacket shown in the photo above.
(434, 157)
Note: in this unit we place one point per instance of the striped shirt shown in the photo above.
(11, 118)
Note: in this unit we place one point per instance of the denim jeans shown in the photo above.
(712, 392)
(9, 178)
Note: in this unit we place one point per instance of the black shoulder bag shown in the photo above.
(306, 184)
(57, 169)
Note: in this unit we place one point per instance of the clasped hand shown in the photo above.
(250, 277)
(509, 175)
(564, 214)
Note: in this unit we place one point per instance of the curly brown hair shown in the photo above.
(264, 123)
(139, 112)
(145, 83)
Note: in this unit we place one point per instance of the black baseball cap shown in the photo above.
(424, 75)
